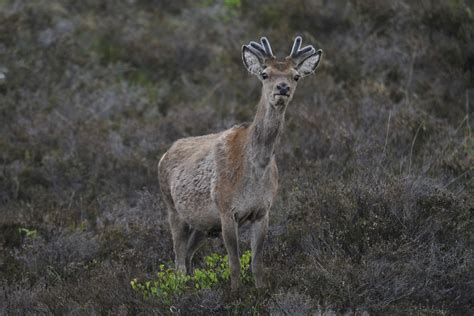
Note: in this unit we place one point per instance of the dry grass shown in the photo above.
(375, 212)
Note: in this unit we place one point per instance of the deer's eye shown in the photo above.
(296, 78)
(264, 75)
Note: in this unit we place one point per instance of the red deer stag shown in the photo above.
(220, 181)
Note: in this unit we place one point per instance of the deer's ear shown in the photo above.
(252, 61)
(308, 65)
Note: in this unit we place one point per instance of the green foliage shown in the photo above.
(167, 284)
(217, 268)
(245, 266)
(233, 4)
(31, 233)
(232, 9)
(170, 283)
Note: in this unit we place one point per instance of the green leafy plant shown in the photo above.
(231, 9)
(217, 269)
(170, 283)
(233, 4)
(167, 284)
(32, 233)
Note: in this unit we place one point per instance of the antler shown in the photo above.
(262, 50)
(297, 53)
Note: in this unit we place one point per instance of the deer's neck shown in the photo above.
(264, 133)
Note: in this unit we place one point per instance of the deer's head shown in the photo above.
(280, 77)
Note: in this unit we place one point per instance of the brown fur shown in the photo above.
(236, 149)
(279, 65)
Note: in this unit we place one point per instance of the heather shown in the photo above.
(375, 206)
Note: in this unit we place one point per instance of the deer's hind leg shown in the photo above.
(186, 241)
(195, 240)
(180, 232)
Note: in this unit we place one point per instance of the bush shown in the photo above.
(170, 283)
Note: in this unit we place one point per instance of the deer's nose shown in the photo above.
(283, 88)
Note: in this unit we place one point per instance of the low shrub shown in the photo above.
(170, 283)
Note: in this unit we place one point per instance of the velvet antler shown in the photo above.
(298, 53)
(263, 50)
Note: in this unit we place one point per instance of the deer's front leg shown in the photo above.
(259, 231)
(231, 241)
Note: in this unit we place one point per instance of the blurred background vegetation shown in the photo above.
(375, 211)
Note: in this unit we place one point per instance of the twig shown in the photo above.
(445, 147)
(460, 125)
(412, 144)
(71, 199)
(62, 117)
(458, 177)
(410, 77)
(467, 113)
(388, 129)
(210, 93)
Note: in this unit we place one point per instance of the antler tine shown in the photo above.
(266, 46)
(296, 46)
(258, 47)
(307, 50)
(262, 50)
(297, 53)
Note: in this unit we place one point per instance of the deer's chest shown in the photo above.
(255, 196)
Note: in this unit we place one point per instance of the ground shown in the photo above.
(375, 206)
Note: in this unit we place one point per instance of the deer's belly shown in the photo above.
(191, 192)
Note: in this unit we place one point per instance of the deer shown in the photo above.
(216, 183)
